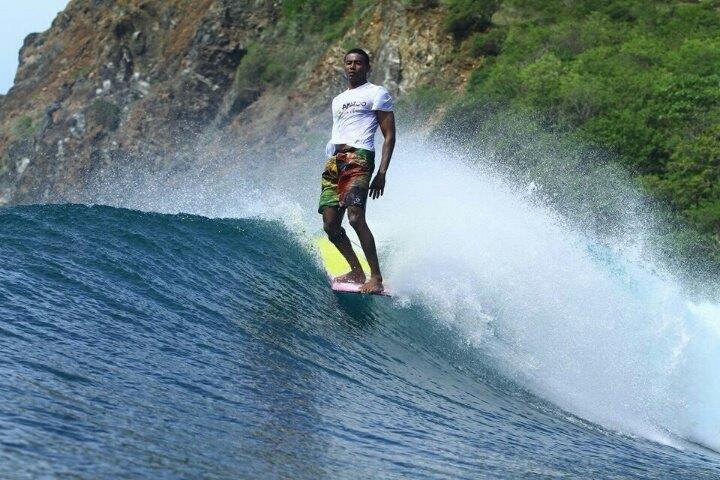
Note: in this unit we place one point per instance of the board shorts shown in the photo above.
(346, 179)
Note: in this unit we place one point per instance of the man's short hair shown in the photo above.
(360, 52)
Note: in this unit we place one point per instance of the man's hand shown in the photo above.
(377, 186)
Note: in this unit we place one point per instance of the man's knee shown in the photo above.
(334, 231)
(356, 218)
(331, 227)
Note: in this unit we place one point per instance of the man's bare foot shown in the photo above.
(351, 277)
(374, 285)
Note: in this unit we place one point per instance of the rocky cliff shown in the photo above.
(153, 82)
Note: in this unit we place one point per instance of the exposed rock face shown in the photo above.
(153, 81)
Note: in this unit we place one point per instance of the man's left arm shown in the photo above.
(386, 120)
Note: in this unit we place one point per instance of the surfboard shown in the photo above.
(335, 265)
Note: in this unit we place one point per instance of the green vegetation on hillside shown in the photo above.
(635, 78)
(324, 17)
(104, 114)
(303, 31)
(23, 127)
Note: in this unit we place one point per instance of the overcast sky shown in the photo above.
(18, 18)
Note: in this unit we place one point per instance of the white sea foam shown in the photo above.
(588, 326)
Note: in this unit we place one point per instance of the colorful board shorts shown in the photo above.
(346, 179)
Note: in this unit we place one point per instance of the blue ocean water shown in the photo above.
(145, 345)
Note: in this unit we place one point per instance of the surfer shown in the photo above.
(357, 113)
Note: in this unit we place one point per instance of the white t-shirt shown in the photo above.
(354, 119)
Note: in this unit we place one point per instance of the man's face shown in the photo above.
(355, 66)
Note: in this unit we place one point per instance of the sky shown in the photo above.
(17, 20)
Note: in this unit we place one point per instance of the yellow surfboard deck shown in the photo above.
(333, 260)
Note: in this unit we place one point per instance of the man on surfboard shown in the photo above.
(357, 114)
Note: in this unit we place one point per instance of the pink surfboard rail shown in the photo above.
(348, 287)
